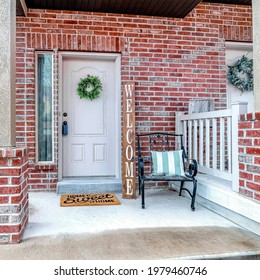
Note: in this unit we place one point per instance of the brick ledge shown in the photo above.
(13, 152)
(250, 117)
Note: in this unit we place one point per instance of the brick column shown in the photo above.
(249, 155)
(13, 194)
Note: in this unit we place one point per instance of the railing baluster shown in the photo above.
(229, 143)
(185, 135)
(190, 142)
(207, 144)
(222, 145)
(195, 139)
(214, 144)
(201, 148)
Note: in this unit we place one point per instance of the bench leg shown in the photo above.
(142, 186)
(193, 195)
(139, 184)
(182, 184)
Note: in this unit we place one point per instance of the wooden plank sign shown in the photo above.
(128, 143)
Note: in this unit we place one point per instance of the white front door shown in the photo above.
(89, 148)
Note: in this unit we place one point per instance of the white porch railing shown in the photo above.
(212, 139)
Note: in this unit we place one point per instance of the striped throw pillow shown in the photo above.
(168, 163)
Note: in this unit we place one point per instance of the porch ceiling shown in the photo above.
(235, 2)
(165, 8)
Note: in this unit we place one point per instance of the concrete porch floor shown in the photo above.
(166, 229)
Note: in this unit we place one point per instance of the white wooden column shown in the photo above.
(178, 129)
(256, 51)
(7, 72)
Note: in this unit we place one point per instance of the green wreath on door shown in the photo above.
(240, 75)
(89, 87)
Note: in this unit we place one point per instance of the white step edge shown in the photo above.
(216, 194)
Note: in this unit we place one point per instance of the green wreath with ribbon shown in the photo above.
(89, 87)
(241, 74)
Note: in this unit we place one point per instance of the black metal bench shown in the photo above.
(162, 142)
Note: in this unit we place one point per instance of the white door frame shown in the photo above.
(97, 56)
(236, 46)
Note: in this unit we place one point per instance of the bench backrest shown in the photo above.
(159, 141)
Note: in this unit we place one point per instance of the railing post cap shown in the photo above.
(239, 103)
(240, 107)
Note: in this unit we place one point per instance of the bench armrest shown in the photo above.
(192, 168)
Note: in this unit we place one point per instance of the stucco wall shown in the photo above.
(7, 73)
(170, 60)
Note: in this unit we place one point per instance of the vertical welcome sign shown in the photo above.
(128, 146)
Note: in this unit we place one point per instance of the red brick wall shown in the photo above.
(249, 155)
(171, 61)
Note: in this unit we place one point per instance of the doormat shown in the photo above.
(88, 199)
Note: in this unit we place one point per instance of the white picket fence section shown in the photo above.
(212, 139)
